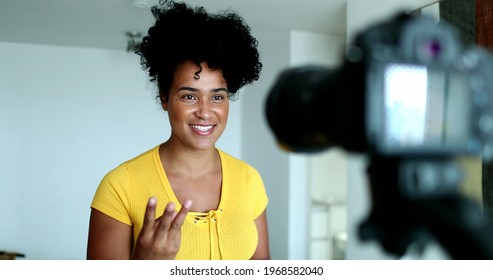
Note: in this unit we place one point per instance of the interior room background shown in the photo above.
(69, 114)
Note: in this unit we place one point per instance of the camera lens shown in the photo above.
(295, 110)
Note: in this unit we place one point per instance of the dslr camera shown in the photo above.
(412, 97)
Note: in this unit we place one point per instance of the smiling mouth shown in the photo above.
(201, 128)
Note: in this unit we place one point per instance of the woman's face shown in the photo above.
(197, 106)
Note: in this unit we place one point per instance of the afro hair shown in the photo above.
(182, 33)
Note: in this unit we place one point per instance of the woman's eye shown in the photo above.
(188, 97)
(218, 98)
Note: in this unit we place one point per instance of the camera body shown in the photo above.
(428, 94)
(407, 87)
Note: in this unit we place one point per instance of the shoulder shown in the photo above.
(239, 170)
(234, 163)
(122, 172)
(145, 158)
(116, 191)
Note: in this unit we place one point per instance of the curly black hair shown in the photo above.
(182, 33)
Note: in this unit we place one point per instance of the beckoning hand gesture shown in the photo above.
(160, 238)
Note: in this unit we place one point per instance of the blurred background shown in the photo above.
(74, 103)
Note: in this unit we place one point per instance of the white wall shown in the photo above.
(68, 116)
(258, 144)
(316, 48)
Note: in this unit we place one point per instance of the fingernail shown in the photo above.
(152, 201)
(170, 207)
(187, 204)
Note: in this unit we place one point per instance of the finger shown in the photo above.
(180, 217)
(149, 215)
(166, 219)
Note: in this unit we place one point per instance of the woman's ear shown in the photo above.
(164, 101)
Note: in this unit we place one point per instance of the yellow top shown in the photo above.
(228, 232)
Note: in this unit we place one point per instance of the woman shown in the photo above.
(199, 62)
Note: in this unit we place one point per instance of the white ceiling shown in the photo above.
(103, 23)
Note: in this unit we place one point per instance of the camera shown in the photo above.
(411, 97)
(407, 87)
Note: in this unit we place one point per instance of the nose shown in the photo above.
(204, 109)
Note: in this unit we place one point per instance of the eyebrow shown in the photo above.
(196, 90)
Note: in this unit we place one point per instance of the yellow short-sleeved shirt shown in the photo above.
(228, 232)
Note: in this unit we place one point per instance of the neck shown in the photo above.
(182, 160)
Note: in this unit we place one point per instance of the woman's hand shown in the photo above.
(160, 238)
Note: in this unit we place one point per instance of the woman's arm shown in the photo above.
(262, 252)
(108, 239)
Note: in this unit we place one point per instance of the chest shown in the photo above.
(204, 190)
(231, 234)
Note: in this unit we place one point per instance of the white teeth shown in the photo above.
(202, 127)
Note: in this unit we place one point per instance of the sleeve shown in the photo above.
(112, 195)
(261, 199)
